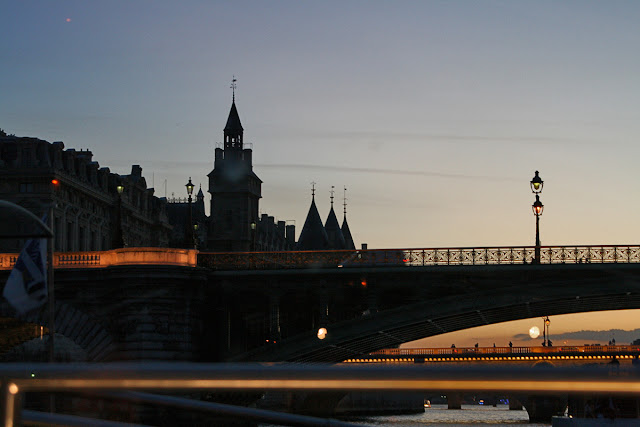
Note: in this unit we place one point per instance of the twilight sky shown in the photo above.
(433, 114)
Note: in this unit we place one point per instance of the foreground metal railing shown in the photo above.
(20, 378)
(420, 257)
(372, 258)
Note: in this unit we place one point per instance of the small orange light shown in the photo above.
(363, 283)
(55, 182)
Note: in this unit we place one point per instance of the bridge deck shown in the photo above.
(508, 255)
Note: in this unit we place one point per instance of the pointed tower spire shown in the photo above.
(233, 131)
(233, 88)
(346, 233)
(313, 235)
(344, 202)
(334, 233)
(200, 195)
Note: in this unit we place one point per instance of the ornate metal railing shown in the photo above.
(508, 255)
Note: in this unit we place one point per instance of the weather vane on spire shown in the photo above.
(233, 87)
(313, 189)
(332, 191)
(344, 201)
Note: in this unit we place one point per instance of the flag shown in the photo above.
(26, 287)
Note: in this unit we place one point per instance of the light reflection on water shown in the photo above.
(475, 415)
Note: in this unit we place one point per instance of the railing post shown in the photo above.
(9, 404)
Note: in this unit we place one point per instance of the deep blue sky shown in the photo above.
(434, 114)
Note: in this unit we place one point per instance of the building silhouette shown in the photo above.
(89, 212)
(234, 224)
(95, 209)
(316, 237)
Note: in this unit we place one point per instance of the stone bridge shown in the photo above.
(173, 304)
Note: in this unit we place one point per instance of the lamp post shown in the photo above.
(546, 326)
(118, 240)
(189, 228)
(253, 236)
(537, 207)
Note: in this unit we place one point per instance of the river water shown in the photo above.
(439, 415)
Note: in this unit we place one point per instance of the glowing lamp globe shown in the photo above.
(322, 333)
(534, 332)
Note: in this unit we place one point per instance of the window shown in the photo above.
(26, 187)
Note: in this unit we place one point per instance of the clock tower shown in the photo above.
(235, 191)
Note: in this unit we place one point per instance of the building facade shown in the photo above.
(93, 208)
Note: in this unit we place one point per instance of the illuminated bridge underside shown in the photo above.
(434, 301)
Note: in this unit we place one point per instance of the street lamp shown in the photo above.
(253, 236)
(546, 339)
(118, 239)
(189, 228)
(536, 183)
(537, 207)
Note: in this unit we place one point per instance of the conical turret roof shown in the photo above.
(348, 240)
(332, 227)
(313, 235)
(233, 122)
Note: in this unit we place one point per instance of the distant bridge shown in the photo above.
(583, 354)
(178, 304)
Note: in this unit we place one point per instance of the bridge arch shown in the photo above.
(73, 324)
(440, 300)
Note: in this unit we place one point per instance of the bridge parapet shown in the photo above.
(373, 258)
(124, 256)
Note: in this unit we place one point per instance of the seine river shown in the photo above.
(439, 415)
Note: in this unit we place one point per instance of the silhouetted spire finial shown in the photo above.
(332, 191)
(313, 190)
(233, 87)
(344, 201)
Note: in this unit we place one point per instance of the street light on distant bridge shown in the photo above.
(537, 207)
(546, 339)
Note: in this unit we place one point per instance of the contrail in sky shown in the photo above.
(158, 165)
(383, 171)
